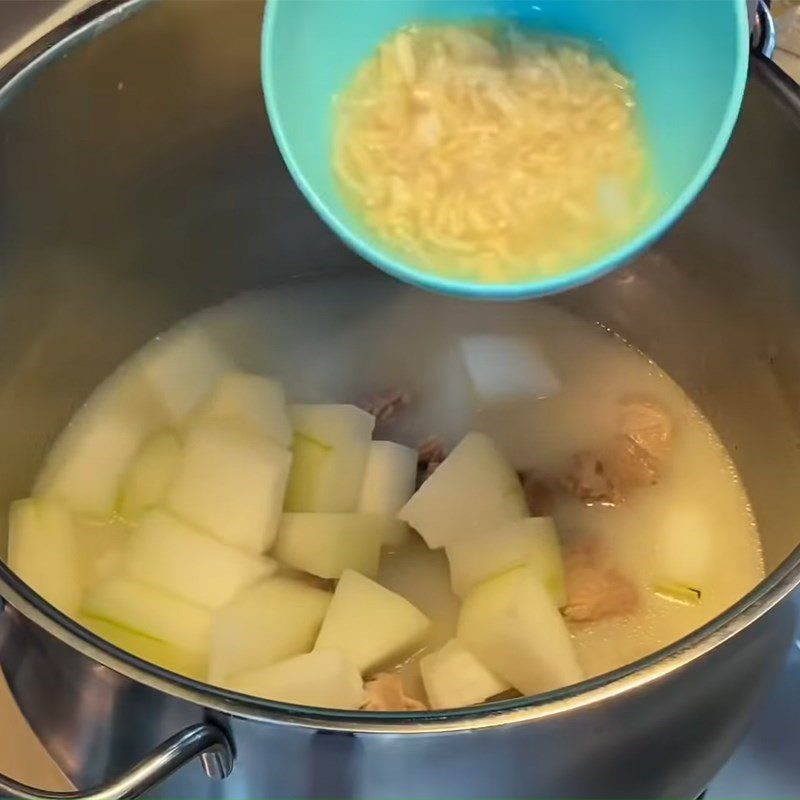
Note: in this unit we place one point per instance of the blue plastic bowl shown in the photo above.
(688, 59)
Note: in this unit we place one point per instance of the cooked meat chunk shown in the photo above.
(386, 405)
(385, 692)
(431, 449)
(430, 468)
(540, 492)
(640, 452)
(635, 457)
(589, 479)
(326, 584)
(595, 587)
(629, 466)
(431, 453)
(649, 426)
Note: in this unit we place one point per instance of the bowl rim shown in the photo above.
(381, 256)
(768, 593)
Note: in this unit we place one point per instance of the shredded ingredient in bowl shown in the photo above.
(490, 154)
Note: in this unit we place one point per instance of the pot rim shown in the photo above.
(760, 600)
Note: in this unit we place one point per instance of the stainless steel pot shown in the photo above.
(139, 182)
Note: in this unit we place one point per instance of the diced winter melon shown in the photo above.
(172, 555)
(473, 490)
(181, 368)
(324, 679)
(531, 542)
(267, 622)
(86, 466)
(396, 532)
(309, 466)
(256, 403)
(102, 547)
(231, 485)
(453, 677)
(389, 478)
(149, 476)
(148, 649)
(43, 551)
(330, 444)
(513, 627)
(149, 612)
(507, 369)
(372, 626)
(684, 550)
(327, 544)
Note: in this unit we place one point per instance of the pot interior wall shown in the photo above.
(139, 182)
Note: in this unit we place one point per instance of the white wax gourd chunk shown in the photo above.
(150, 474)
(323, 678)
(507, 369)
(142, 609)
(102, 546)
(370, 625)
(513, 627)
(327, 544)
(473, 490)
(181, 368)
(174, 556)
(256, 403)
(43, 551)
(684, 552)
(231, 485)
(532, 542)
(389, 478)
(330, 444)
(87, 464)
(267, 622)
(396, 533)
(155, 651)
(453, 678)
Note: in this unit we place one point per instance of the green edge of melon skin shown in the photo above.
(305, 438)
(678, 593)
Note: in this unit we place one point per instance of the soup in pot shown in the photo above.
(347, 494)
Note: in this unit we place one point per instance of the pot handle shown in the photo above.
(206, 740)
(762, 36)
